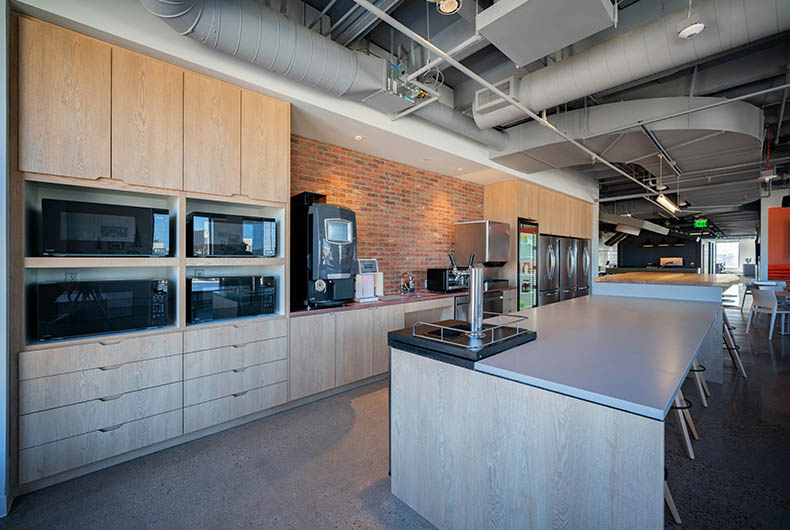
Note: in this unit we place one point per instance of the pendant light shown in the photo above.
(663, 242)
(448, 7)
(667, 204)
(679, 243)
(648, 244)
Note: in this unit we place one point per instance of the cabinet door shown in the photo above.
(385, 319)
(312, 342)
(64, 102)
(546, 208)
(212, 144)
(354, 345)
(147, 121)
(265, 147)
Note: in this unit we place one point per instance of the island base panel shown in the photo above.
(471, 450)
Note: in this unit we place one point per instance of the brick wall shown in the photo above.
(405, 215)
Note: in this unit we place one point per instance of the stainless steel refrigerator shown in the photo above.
(528, 262)
(568, 267)
(584, 264)
(548, 270)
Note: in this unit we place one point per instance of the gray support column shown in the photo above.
(4, 339)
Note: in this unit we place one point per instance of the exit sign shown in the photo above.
(700, 223)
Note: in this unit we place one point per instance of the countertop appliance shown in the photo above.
(469, 340)
(548, 270)
(444, 281)
(489, 241)
(61, 310)
(569, 252)
(230, 297)
(369, 283)
(323, 252)
(221, 235)
(73, 228)
(583, 267)
(528, 262)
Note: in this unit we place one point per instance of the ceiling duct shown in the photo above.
(528, 30)
(255, 33)
(642, 52)
(640, 224)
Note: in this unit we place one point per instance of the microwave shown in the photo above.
(61, 310)
(230, 297)
(218, 235)
(444, 281)
(72, 228)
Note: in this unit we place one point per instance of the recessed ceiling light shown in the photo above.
(448, 7)
(427, 158)
(359, 138)
(459, 168)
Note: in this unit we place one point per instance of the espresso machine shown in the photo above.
(323, 252)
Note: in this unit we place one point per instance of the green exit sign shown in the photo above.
(700, 223)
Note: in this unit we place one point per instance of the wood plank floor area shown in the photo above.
(324, 465)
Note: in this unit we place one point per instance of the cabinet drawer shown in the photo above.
(239, 333)
(207, 362)
(109, 352)
(64, 422)
(226, 384)
(56, 457)
(228, 408)
(60, 390)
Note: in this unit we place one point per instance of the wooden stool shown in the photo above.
(685, 423)
(699, 379)
(670, 501)
(732, 348)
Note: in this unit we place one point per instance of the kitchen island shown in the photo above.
(565, 431)
(676, 286)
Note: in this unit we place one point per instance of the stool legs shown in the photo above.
(732, 348)
(699, 379)
(671, 504)
(684, 432)
(687, 416)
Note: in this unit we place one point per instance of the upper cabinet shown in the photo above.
(212, 136)
(265, 147)
(147, 121)
(64, 102)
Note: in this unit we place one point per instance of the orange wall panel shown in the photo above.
(779, 243)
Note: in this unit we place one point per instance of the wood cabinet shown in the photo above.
(265, 147)
(234, 406)
(510, 301)
(212, 136)
(312, 354)
(385, 319)
(147, 121)
(64, 102)
(353, 346)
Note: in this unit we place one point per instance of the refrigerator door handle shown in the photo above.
(552, 262)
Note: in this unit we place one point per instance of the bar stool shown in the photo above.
(685, 423)
(673, 510)
(699, 379)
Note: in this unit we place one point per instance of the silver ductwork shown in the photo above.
(642, 52)
(255, 33)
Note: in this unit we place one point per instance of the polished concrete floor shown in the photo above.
(324, 465)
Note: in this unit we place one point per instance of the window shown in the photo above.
(727, 253)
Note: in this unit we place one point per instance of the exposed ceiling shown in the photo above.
(718, 164)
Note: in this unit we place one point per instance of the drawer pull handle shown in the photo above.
(110, 342)
(240, 370)
(239, 326)
(241, 345)
(239, 394)
(112, 398)
(113, 428)
(108, 368)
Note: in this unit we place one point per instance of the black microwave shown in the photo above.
(218, 235)
(61, 310)
(72, 228)
(230, 297)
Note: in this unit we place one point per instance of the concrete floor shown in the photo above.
(324, 465)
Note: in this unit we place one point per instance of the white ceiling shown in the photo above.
(337, 129)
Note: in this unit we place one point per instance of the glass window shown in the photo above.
(727, 254)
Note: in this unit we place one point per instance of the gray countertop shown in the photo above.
(627, 353)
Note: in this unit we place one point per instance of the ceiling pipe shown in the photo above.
(257, 34)
(645, 51)
(481, 81)
(684, 190)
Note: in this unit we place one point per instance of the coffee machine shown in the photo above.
(323, 252)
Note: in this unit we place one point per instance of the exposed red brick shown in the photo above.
(405, 215)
